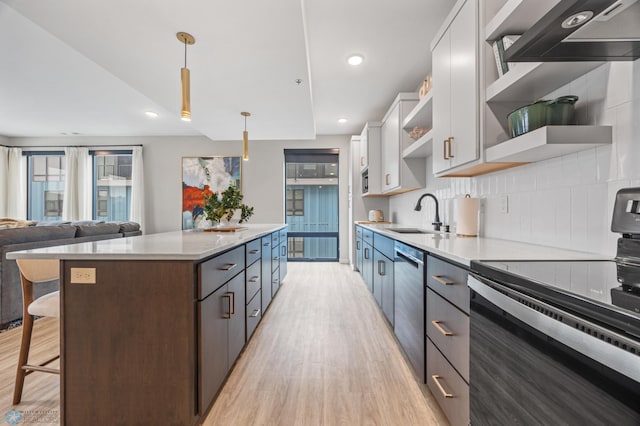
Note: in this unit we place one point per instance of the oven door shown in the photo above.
(532, 364)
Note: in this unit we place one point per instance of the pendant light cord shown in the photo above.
(185, 52)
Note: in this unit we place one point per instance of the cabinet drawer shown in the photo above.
(253, 280)
(367, 236)
(449, 281)
(283, 235)
(358, 232)
(253, 251)
(219, 270)
(451, 392)
(448, 328)
(275, 257)
(254, 313)
(383, 244)
(275, 282)
(275, 239)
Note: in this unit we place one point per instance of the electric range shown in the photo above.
(558, 342)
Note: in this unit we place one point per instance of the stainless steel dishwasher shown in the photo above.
(409, 304)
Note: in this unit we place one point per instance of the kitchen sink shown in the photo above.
(411, 231)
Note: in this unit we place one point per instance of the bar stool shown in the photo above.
(34, 271)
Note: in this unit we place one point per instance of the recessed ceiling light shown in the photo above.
(355, 60)
(151, 114)
(342, 120)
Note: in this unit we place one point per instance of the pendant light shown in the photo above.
(185, 113)
(245, 137)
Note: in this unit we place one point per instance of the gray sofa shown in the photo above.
(46, 234)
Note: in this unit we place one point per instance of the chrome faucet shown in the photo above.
(436, 222)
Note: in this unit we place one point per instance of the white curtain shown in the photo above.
(16, 183)
(136, 213)
(77, 200)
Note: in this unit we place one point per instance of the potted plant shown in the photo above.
(220, 208)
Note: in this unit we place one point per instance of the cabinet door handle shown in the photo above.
(255, 313)
(444, 149)
(436, 379)
(357, 245)
(450, 142)
(254, 251)
(441, 329)
(362, 161)
(386, 178)
(284, 251)
(228, 266)
(232, 303)
(254, 279)
(381, 268)
(227, 315)
(442, 280)
(366, 252)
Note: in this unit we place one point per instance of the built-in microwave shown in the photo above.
(365, 182)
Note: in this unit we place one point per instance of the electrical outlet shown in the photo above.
(504, 204)
(83, 275)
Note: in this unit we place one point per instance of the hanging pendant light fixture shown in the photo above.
(245, 137)
(185, 78)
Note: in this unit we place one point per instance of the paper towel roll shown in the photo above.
(467, 216)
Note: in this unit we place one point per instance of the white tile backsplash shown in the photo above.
(563, 202)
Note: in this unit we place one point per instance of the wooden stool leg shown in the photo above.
(27, 328)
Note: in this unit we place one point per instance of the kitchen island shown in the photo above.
(152, 325)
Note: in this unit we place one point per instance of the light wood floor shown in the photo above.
(323, 355)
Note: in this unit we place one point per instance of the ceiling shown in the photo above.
(93, 68)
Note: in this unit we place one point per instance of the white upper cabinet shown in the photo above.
(399, 174)
(370, 157)
(455, 85)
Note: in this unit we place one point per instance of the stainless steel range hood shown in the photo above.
(575, 30)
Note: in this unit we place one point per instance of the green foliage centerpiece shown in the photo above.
(221, 207)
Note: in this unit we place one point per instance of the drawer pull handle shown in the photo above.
(229, 312)
(436, 379)
(228, 266)
(255, 313)
(381, 269)
(442, 281)
(440, 328)
(254, 279)
(266, 244)
(254, 251)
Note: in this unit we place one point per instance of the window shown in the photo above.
(112, 185)
(311, 195)
(46, 173)
(53, 203)
(295, 202)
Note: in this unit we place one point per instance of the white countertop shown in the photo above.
(465, 249)
(178, 245)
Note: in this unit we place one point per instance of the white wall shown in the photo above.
(564, 202)
(262, 175)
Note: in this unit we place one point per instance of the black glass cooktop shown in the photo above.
(586, 288)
